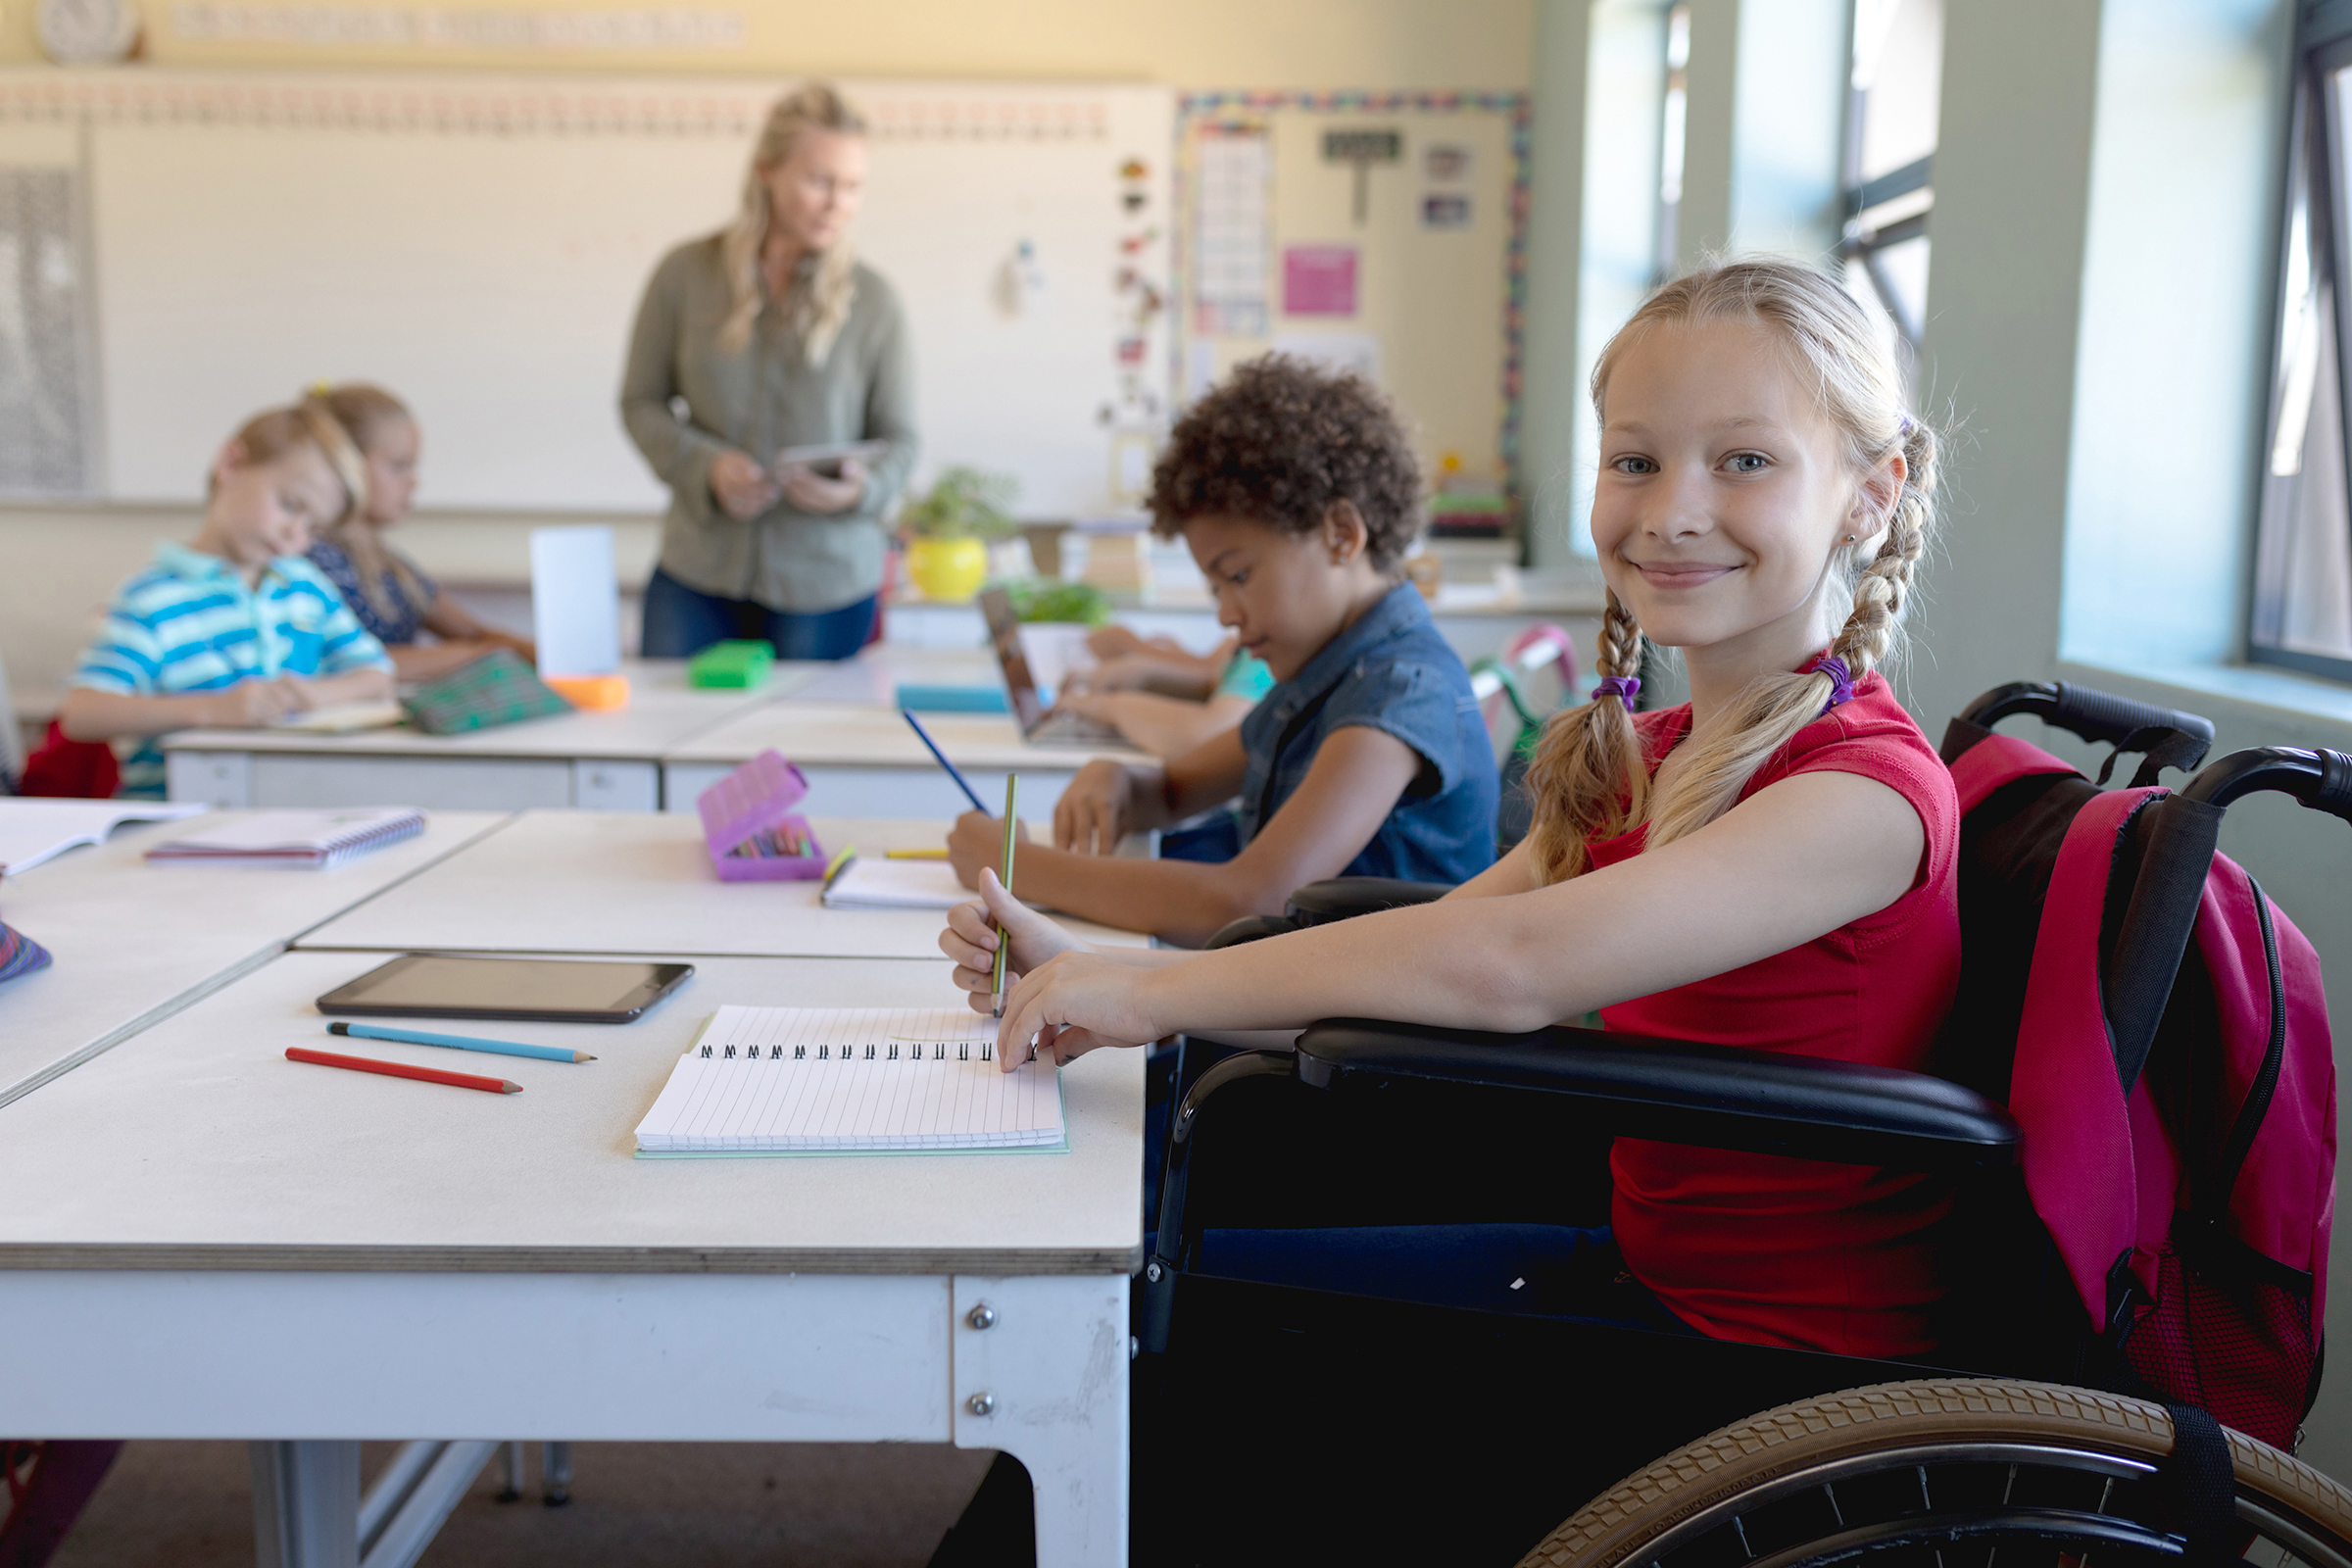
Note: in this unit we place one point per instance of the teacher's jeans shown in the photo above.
(681, 622)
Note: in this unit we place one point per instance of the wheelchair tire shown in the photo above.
(1956, 1473)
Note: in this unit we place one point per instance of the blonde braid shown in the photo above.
(1879, 594)
(1590, 779)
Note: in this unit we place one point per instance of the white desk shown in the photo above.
(133, 942)
(615, 882)
(865, 761)
(232, 1246)
(873, 678)
(609, 761)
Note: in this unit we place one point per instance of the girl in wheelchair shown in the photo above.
(1770, 866)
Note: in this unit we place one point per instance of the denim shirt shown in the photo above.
(1392, 672)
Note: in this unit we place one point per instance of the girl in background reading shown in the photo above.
(1770, 866)
(389, 593)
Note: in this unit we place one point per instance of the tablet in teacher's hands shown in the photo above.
(828, 457)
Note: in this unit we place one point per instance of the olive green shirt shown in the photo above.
(685, 400)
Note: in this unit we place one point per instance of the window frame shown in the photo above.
(1857, 196)
(2315, 129)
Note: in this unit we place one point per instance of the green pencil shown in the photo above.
(1012, 795)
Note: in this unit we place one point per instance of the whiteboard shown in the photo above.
(479, 245)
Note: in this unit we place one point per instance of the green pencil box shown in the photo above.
(735, 665)
(496, 689)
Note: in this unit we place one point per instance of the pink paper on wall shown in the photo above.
(1318, 279)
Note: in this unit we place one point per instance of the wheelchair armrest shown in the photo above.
(1679, 1092)
(1248, 928)
(1344, 898)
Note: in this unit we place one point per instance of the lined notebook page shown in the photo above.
(778, 1080)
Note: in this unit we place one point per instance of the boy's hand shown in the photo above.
(976, 844)
(1093, 814)
(253, 703)
(970, 938)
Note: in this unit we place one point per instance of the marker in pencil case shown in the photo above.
(769, 843)
(422, 1037)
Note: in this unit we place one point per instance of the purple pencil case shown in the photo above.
(749, 823)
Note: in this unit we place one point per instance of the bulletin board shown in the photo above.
(1385, 231)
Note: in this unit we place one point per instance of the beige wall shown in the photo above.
(62, 563)
(1221, 43)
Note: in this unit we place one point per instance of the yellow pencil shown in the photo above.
(996, 995)
(914, 855)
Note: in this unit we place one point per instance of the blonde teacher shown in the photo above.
(766, 336)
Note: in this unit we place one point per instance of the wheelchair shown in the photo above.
(1303, 1415)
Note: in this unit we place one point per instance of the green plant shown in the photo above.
(963, 504)
(1041, 598)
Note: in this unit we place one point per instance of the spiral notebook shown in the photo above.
(316, 839)
(850, 1081)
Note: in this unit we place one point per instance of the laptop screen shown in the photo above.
(1004, 631)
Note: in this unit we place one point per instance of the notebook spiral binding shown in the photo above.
(938, 1053)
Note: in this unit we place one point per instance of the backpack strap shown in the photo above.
(2137, 974)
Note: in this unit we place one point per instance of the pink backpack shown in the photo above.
(2180, 1128)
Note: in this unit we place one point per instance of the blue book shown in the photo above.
(953, 699)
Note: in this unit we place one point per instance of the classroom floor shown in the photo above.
(634, 1505)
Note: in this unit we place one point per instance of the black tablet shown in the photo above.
(430, 985)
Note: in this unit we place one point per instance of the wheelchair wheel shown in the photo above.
(1942, 1474)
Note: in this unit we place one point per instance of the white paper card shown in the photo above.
(575, 600)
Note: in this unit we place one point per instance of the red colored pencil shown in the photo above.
(398, 1069)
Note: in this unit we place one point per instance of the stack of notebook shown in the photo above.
(296, 837)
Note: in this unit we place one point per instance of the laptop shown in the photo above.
(1040, 726)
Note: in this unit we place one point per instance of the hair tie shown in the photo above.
(1841, 679)
(1622, 687)
(1907, 425)
(320, 389)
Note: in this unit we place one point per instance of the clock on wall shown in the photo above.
(88, 32)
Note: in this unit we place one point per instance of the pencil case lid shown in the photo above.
(757, 796)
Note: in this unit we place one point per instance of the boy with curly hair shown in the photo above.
(1297, 494)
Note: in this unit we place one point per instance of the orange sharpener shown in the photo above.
(595, 694)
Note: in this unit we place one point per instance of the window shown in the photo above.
(2302, 612)
(1890, 158)
(1673, 135)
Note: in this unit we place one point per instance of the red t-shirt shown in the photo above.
(1795, 1251)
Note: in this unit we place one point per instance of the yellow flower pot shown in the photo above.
(949, 570)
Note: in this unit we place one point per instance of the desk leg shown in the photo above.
(306, 1504)
(1041, 1373)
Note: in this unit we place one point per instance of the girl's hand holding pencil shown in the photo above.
(971, 940)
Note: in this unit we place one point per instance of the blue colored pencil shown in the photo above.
(420, 1037)
(961, 783)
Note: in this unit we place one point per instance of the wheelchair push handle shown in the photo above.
(2085, 711)
(2320, 779)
